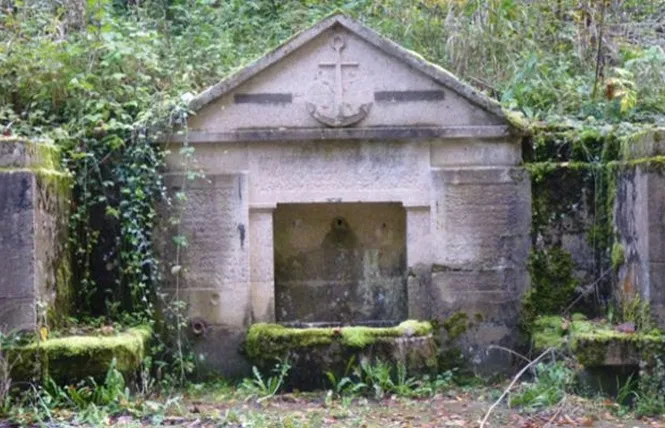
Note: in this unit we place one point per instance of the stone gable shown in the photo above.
(341, 80)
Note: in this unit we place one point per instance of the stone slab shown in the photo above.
(333, 171)
(482, 216)
(17, 234)
(17, 314)
(475, 152)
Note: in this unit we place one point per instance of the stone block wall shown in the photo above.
(34, 206)
(638, 254)
(481, 228)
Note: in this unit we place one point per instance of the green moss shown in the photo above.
(552, 284)
(591, 341)
(456, 325)
(591, 353)
(266, 341)
(547, 332)
(517, 120)
(618, 254)
(38, 154)
(72, 358)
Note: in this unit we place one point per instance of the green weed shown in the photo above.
(262, 388)
(550, 384)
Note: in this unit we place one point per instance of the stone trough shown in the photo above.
(312, 349)
(70, 359)
(608, 357)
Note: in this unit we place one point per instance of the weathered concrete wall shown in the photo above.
(17, 238)
(639, 254)
(564, 210)
(340, 262)
(34, 200)
(606, 216)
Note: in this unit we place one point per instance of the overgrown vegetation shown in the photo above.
(550, 383)
(106, 79)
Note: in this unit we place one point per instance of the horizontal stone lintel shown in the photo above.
(374, 133)
(263, 98)
(497, 175)
(408, 96)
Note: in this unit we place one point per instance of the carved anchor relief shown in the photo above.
(344, 113)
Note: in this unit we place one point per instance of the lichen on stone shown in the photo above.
(73, 358)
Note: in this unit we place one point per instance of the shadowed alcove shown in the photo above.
(340, 262)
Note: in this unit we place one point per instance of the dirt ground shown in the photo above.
(465, 409)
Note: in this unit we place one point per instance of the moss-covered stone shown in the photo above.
(69, 359)
(618, 254)
(456, 325)
(20, 153)
(553, 284)
(596, 343)
(315, 351)
(274, 340)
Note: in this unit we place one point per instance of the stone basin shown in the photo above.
(607, 356)
(313, 349)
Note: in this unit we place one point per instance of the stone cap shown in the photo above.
(646, 144)
(22, 153)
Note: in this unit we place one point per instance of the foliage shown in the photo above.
(650, 394)
(263, 388)
(345, 384)
(7, 364)
(638, 312)
(550, 384)
(380, 379)
(553, 282)
(90, 402)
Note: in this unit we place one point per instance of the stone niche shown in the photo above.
(347, 179)
(343, 262)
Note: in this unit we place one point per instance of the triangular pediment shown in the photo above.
(340, 79)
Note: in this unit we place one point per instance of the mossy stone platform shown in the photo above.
(313, 351)
(597, 344)
(72, 358)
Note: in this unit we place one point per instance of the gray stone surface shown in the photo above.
(33, 235)
(341, 124)
(640, 223)
(340, 262)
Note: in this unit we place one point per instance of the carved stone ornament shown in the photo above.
(346, 114)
